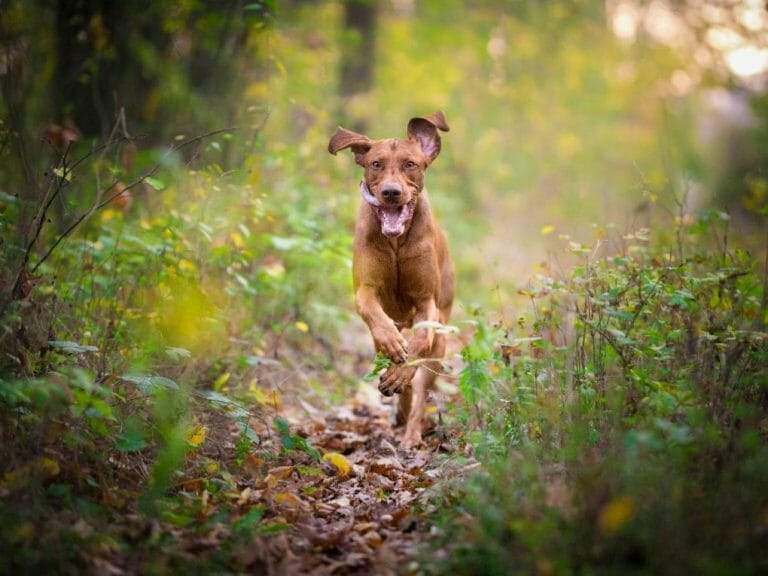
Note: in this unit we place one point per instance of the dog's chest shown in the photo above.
(409, 280)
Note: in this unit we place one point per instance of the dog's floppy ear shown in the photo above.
(344, 138)
(425, 131)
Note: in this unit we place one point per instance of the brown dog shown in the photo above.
(402, 271)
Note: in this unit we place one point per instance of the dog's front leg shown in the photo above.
(399, 376)
(387, 339)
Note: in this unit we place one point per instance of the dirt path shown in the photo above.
(359, 510)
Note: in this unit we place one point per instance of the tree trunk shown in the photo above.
(357, 62)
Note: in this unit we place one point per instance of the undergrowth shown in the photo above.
(156, 332)
(622, 429)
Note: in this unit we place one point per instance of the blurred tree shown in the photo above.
(69, 67)
(358, 60)
(96, 69)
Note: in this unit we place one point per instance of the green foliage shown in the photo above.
(380, 363)
(629, 427)
(293, 441)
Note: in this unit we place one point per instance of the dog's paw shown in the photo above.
(412, 440)
(396, 377)
(392, 343)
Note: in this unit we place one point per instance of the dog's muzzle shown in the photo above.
(393, 219)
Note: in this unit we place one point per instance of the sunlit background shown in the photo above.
(570, 121)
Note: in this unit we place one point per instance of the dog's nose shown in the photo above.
(391, 191)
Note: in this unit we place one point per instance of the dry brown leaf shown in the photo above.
(290, 500)
(254, 466)
(245, 496)
(387, 466)
(364, 526)
(373, 539)
(275, 475)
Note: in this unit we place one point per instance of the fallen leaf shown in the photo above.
(290, 500)
(389, 467)
(245, 496)
(196, 436)
(277, 474)
(254, 466)
(341, 502)
(364, 526)
(373, 539)
(340, 462)
(616, 514)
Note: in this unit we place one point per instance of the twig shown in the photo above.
(141, 179)
(47, 204)
(40, 217)
(764, 302)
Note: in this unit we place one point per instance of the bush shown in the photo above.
(629, 433)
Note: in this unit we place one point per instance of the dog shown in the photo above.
(402, 271)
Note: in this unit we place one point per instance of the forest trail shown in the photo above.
(363, 508)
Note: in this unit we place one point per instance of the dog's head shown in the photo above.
(394, 168)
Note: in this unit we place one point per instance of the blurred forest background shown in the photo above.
(172, 226)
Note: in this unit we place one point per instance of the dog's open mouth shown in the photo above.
(394, 218)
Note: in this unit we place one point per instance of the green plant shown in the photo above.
(624, 442)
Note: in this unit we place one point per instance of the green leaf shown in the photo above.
(67, 347)
(177, 353)
(63, 173)
(439, 328)
(380, 362)
(156, 183)
(292, 441)
(150, 384)
(248, 432)
(233, 408)
(286, 243)
(130, 441)
(248, 522)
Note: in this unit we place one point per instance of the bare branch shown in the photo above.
(99, 203)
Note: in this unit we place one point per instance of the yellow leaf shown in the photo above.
(108, 214)
(302, 326)
(340, 462)
(41, 468)
(548, 229)
(220, 381)
(261, 396)
(185, 264)
(616, 514)
(196, 436)
(237, 239)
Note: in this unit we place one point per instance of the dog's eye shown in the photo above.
(376, 164)
(410, 165)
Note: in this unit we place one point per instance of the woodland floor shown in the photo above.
(363, 507)
(368, 521)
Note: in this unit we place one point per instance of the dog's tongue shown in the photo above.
(394, 218)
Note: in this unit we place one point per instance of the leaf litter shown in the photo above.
(267, 488)
(323, 493)
(353, 511)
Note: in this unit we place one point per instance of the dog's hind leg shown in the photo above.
(417, 398)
